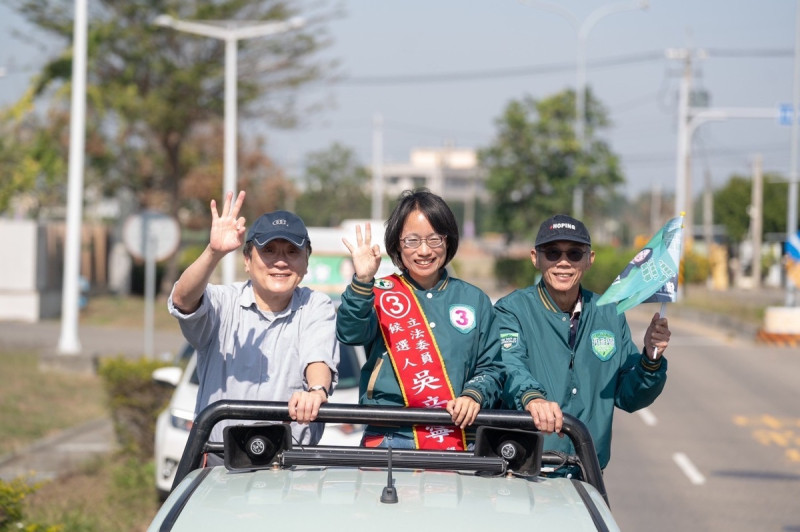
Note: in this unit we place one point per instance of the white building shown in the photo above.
(452, 173)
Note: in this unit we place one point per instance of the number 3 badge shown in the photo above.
(462, 317)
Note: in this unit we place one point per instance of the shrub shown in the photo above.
(515, 272)
(608, 263)
(12, 514)
(135, 402)
(695, 268)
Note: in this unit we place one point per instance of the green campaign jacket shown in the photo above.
(471, 354)
(604, 370)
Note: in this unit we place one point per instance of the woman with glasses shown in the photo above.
(431, 338)
(563, 353)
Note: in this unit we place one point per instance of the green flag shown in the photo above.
(652, 275)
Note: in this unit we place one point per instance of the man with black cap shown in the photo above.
(563, 353)
(266, 338)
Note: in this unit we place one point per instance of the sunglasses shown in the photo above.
(555, 254)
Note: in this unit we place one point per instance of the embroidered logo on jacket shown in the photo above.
(508, 340)
(384, 284)
(603, 344)
(462, 317)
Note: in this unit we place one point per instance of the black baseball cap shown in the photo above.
(562, 227)
(278, 224)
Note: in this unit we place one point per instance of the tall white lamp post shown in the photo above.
(68, 342)
(583, 29)
(231, 32)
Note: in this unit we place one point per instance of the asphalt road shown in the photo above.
(720, 448)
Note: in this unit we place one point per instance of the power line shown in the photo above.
(550, 68)
(500, 73)
(715, 153)
(738, 53)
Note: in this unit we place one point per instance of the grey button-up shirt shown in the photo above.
(246, 353)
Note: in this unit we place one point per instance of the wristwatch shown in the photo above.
(319, 387)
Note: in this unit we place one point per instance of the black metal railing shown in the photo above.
(192, 457)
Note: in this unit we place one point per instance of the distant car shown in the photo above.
(174, 423)
(505, 482)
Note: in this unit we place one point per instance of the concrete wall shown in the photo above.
(27, 289)
(32, 266)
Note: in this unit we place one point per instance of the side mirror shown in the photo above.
(170, 375)
(521, 449)
(255, 446)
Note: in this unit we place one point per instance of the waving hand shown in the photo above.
(227, 229)
(366, 256)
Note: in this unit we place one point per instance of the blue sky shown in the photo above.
(394, 38)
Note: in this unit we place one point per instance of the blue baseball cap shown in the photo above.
(278, 224)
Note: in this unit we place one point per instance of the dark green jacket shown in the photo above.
(604, 370)
(471, 354)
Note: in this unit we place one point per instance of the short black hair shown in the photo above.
(435, 210)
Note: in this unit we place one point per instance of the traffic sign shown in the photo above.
(785, 114)
(161, 231)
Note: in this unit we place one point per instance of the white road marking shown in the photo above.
(688, 468)
(648, 417)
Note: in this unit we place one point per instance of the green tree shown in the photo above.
(33, 155)
(535, 163)
(336, 188)
(732, 201)
(150, 88)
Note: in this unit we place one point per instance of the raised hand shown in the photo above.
(227, 229)
(366, 256)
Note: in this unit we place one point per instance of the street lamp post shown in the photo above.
(583, 29)
(231, 32)
(68, 342)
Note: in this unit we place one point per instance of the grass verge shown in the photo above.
(113, 492)
(126, 312)
(108, 493)
(745, 307)
(36, 404)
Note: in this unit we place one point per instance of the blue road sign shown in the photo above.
(785, 114)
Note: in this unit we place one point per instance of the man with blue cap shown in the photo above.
(266, 338)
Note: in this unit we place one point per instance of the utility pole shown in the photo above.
(377, 167)
(655, 208)
(791, 211)
(689, 119)
(756, 219)
(708, 214)
(683, 197)
(684, 141)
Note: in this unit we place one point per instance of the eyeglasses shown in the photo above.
(413, 242)
(555, 254)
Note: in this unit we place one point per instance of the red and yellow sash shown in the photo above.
(417, 361)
